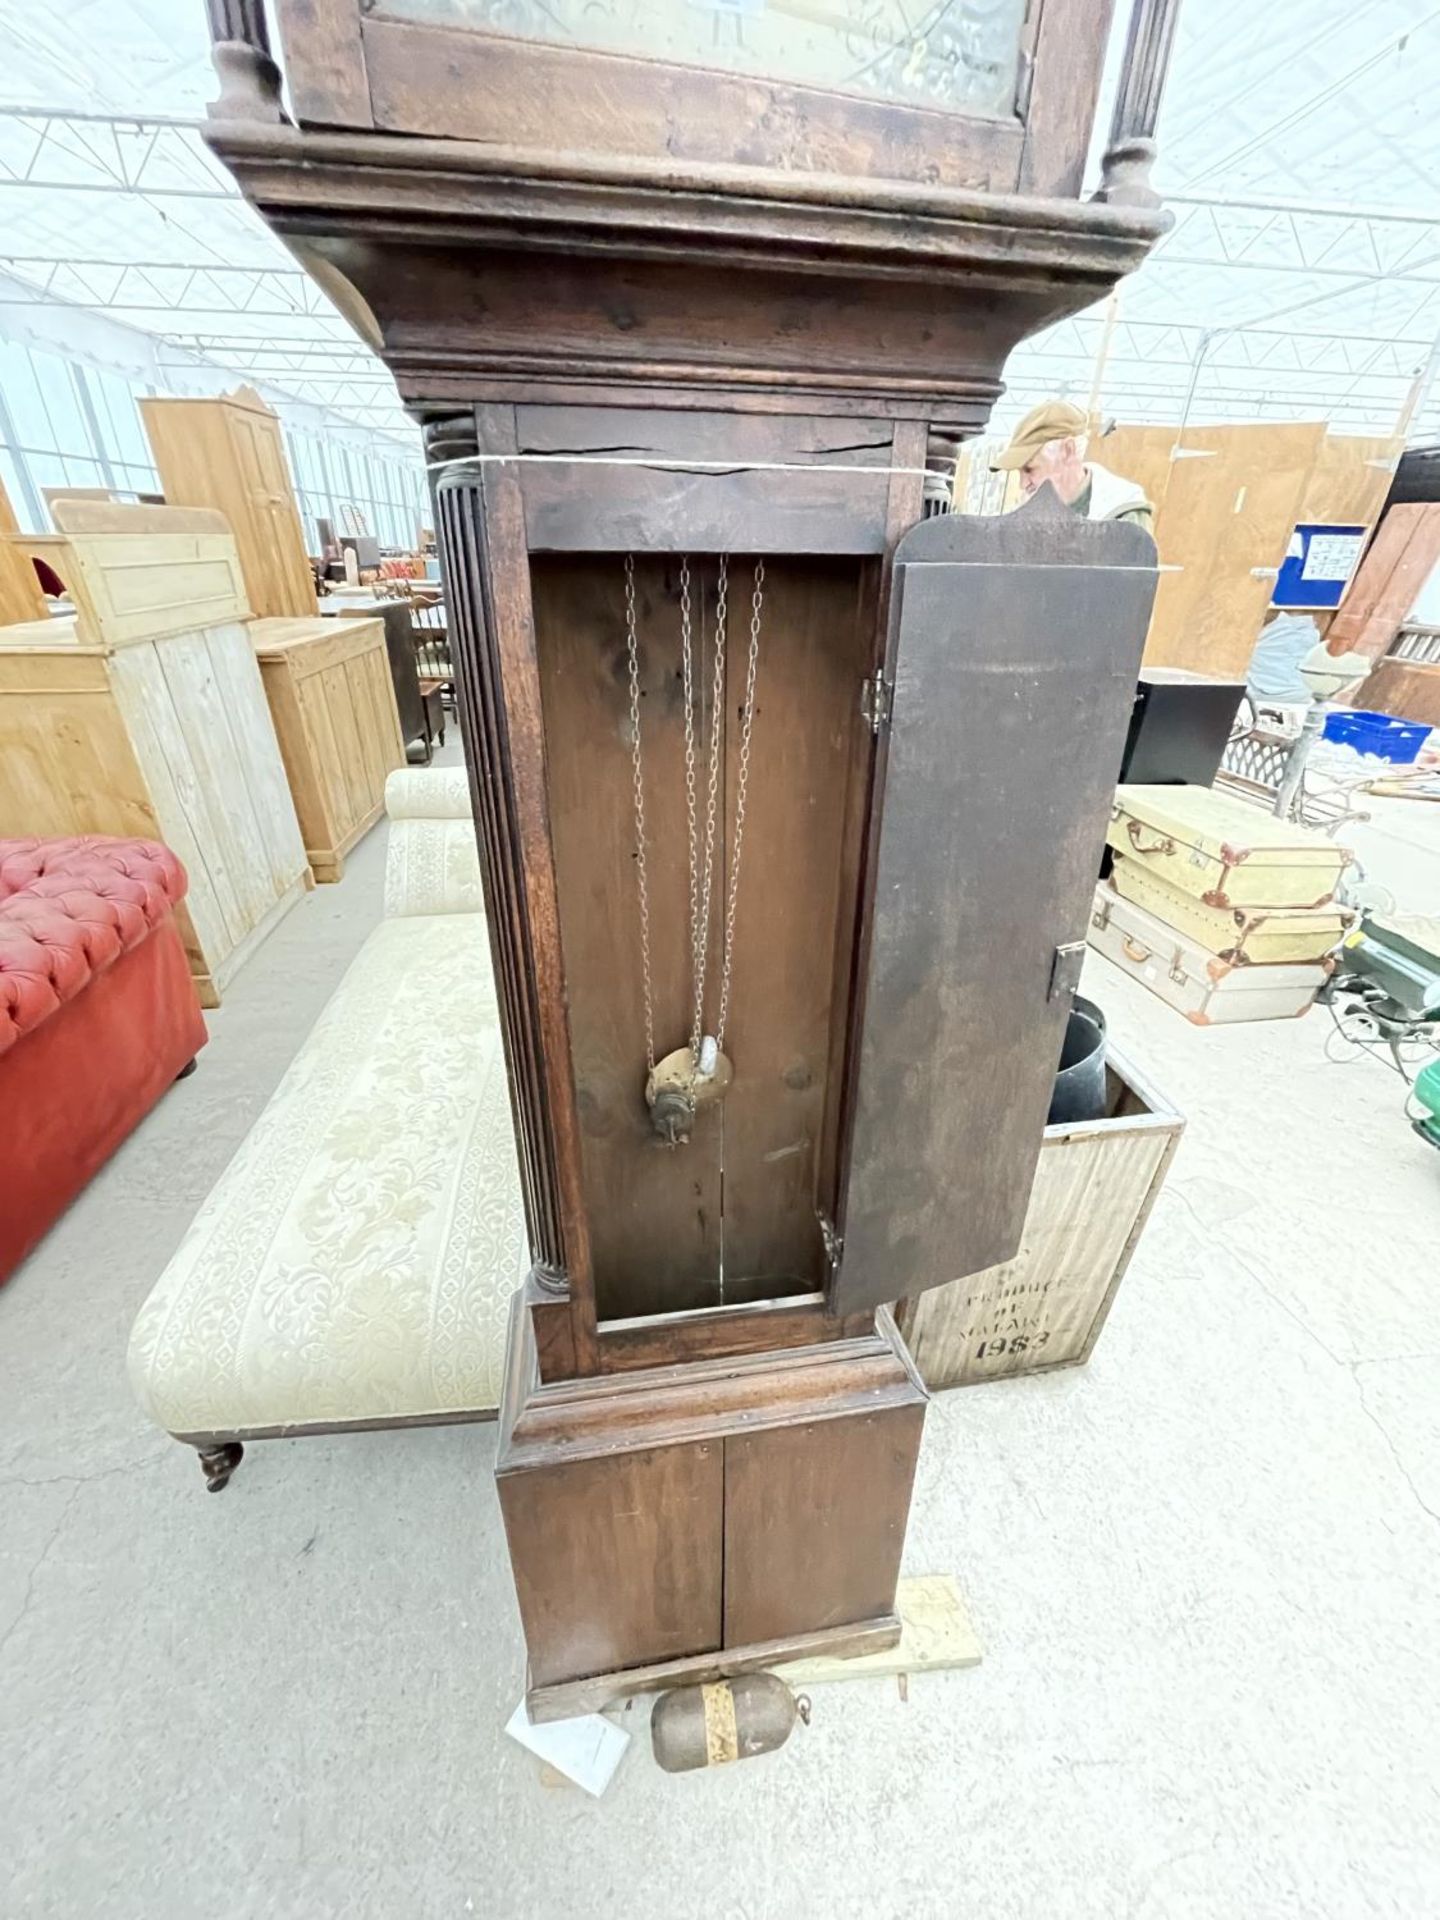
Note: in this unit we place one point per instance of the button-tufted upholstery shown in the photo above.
(98, 1015)
(69, 909)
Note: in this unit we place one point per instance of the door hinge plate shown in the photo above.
(875, 700)
(1065, 968)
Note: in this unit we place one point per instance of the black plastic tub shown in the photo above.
(1079, 1091)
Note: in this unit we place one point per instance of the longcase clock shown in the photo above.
(790, 790)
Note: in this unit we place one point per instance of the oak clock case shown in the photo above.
(790, 798)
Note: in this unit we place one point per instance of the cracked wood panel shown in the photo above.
(739, 507)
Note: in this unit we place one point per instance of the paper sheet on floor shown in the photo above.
(586, 1749)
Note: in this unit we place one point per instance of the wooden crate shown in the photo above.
(1094, 1187)
(124, 719)
(333, 703)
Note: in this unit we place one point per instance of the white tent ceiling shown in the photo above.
(1300, 148)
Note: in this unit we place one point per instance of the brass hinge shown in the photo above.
(834, 1245)
(875, 700)
(1024, 80)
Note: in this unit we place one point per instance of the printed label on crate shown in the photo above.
(1033, 1323)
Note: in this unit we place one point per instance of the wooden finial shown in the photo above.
(240, 50)
(1130, 154)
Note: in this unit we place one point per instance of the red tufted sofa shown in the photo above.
(98, 1015)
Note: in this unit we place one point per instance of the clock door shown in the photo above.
(1014, 651)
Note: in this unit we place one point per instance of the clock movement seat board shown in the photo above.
(656, 1211)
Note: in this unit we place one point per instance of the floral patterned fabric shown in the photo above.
(357, 1260)
(432, 862)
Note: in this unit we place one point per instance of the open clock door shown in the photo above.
(1015, 645)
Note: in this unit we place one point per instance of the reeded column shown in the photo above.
(461, 538)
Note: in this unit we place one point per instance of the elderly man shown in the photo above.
(1049, 444)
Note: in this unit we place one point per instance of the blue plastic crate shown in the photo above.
(1398, 741)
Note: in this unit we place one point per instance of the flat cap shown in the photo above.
(1051, 420)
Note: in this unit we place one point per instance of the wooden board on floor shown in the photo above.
(936, 1632)
(567, 1699)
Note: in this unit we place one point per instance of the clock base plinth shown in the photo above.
(674, 1522)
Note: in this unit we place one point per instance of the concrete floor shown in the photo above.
(1204, 1570)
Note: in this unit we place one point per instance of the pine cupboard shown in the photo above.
(228, 454)
(20, 595)
(143, 714)
(333, 704)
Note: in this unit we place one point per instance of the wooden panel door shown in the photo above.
(1014, 651)
(287, 584)
(1396, 565)
(815, 1522)
(617, 1561)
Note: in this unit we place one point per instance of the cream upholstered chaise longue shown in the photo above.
(354, 1265)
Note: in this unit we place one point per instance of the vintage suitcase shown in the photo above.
(1207, 990)
(1256, 936)
(1222, 850)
